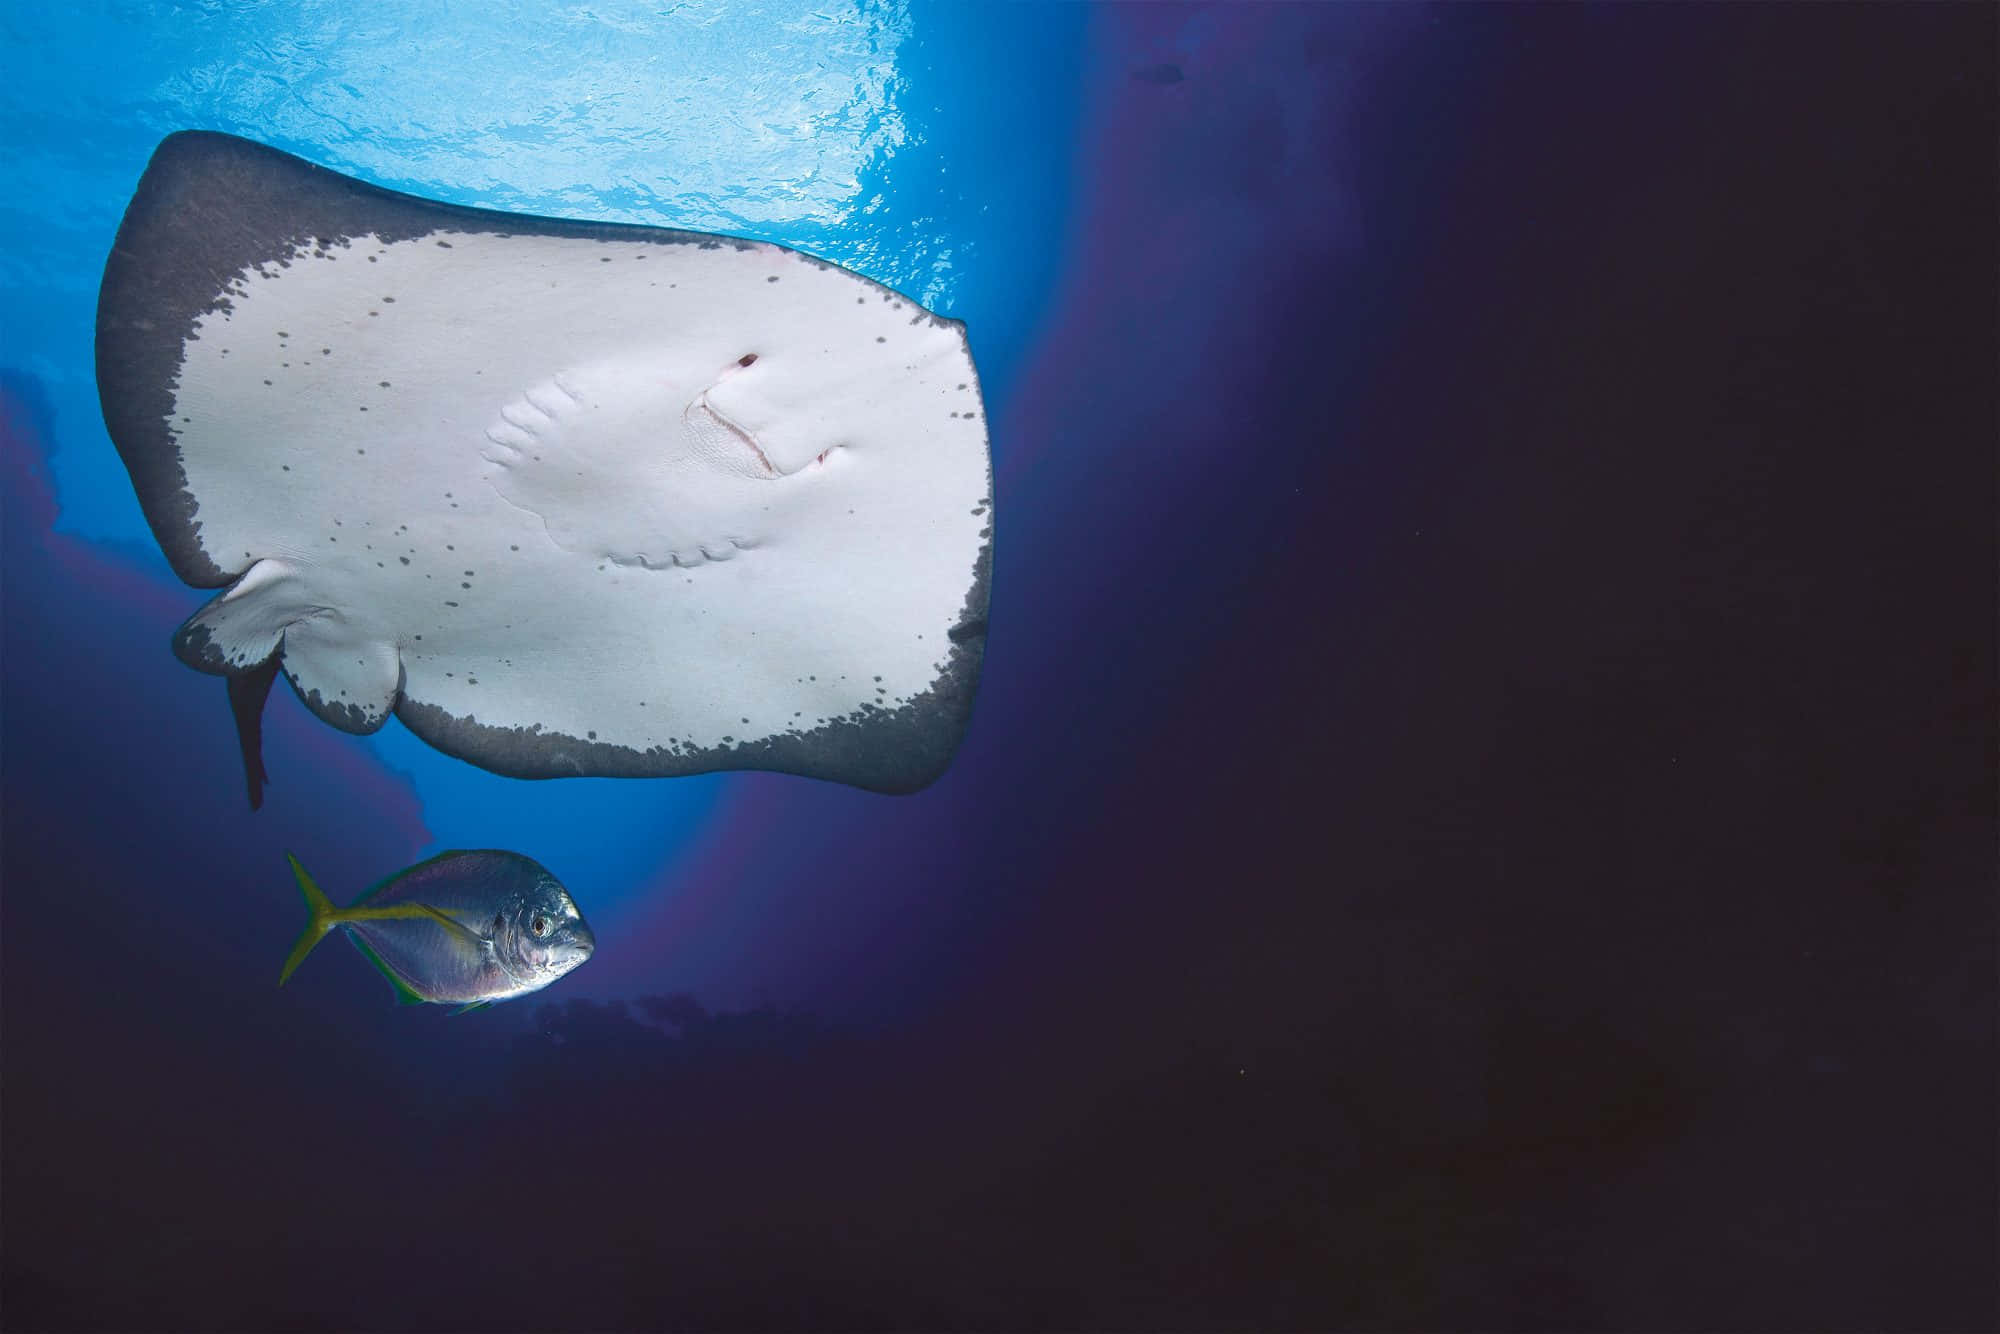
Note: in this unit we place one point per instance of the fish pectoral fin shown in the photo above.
(456, 927)
(468, 1009)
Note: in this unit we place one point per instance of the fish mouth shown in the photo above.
(572, 953)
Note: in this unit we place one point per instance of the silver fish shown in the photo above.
(464, 928)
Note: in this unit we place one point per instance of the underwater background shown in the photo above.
(1480, 812)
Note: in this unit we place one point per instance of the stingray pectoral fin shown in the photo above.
(346, 675)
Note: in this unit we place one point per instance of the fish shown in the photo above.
(462, 928)
(565, 498)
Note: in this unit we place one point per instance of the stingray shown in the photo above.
(567, 498)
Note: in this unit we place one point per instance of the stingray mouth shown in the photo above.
(729, 444)
(707, 425)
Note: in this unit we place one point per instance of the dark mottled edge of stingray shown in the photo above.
(194, 644)
(210, 206)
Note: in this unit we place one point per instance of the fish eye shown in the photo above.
(538, 925)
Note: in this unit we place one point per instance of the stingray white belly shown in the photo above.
(568, 498)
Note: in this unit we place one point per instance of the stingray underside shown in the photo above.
(567, 498)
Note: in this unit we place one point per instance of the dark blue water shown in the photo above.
(1480, 811)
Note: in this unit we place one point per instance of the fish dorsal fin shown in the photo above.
(368, 894)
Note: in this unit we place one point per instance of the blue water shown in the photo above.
(1479, 812)
(927, 147)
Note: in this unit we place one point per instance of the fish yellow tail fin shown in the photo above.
(324, 919)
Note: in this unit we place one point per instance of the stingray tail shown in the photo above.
(240, 634)
(247, 693)
(324, 918)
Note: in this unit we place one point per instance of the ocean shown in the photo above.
(1480, 807)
